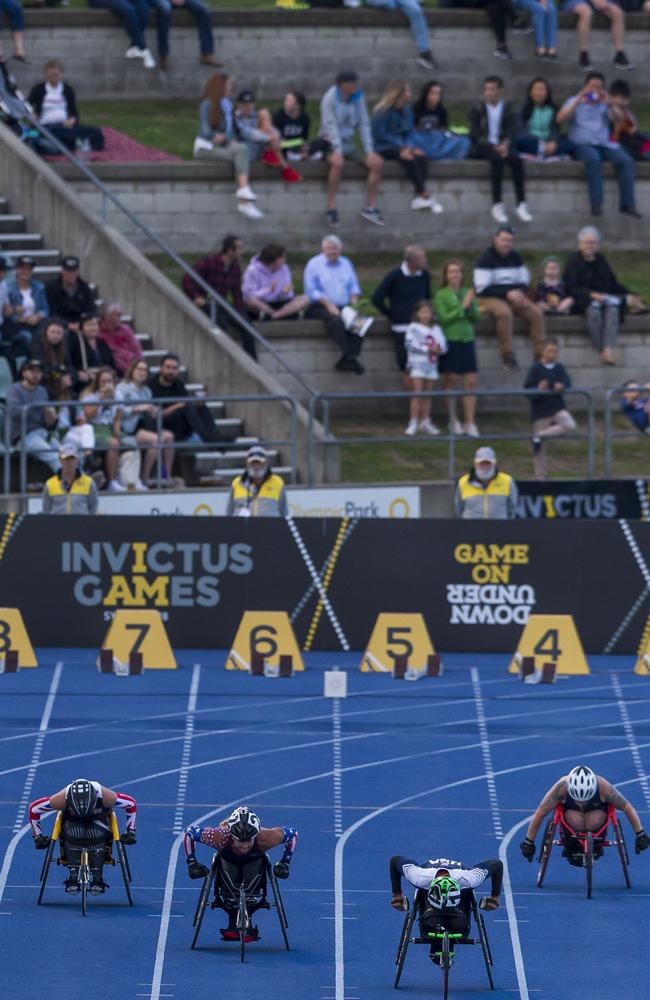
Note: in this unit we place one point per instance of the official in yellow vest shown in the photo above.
(484, 492)
(257, 492)
(70, 491)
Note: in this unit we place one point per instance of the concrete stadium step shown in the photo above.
(224, 459)
(42, 257)
(218, 410)
(4, 204)
(229, 428)
(12, 224)
(153, 355)
(45, 272)
(21, 241)
(144, 338)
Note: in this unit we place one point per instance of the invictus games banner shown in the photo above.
(474, 582)
(590, 498)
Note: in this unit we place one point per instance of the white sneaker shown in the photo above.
(115, 487)
(499, 213)
(148, 59)
(245, 193)
(523, 212)
(428, 427)
(250, 210)
(472, 430)
(139, 485)
(455, 427)
(436, 207)
(420, 202)
(134, 52)
(412, 428)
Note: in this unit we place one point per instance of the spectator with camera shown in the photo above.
(330, 283)
(625, 127)
(635, 405)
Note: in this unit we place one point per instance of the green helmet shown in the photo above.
(444, 893)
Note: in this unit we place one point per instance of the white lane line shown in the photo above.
(38, 747)
(487, 754)
(336, 774)
(181, 795)
(510, 907)
(629, 735)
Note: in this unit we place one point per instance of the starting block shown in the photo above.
(530, 674)
(10, 664)
(258, 667)
(259, 643)
(402, 671)
(109, 664)
(556, 639)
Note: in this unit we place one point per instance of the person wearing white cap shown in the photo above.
(484, 492)
(257, 492)
(70, 491)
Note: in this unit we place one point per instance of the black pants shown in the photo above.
(500, 12)
(485, 151)
(415, 169)
(235, 330)
(70, 136)
(349, 345)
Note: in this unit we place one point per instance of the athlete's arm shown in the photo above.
(610, 793)
(553, 797)
(472, 878)
(276, 835)
(216, 837)
(120, 800)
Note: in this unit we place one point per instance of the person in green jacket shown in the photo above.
(458, 315)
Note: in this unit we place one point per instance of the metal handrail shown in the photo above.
(610, 434)
(213, 297)
(19, 446)
(329, 439)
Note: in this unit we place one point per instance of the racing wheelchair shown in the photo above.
(590, 843)
(444, 939)
(242, 888)
(114, 854)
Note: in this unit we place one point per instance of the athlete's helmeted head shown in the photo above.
(243, 824)
(582, 783)
(82, 797)
(444, 893)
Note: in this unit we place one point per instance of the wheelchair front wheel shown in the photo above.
(204, 896)
(279, 906)
(124, 866)
(622, 853)
(242, 919)
(45, 870)
(589, 861)
(404, 943)
(545, 852)
(445, 965)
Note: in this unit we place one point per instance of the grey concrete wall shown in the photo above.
(126, 275)
(192, 204)
(270, 50)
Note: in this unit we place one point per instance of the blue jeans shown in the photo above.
(592, 157)
(416, 18)
(199, 11)
(544, 22)
(529, 144)
(37, 443)
(133, 13)
(14, 12)
(441, 146)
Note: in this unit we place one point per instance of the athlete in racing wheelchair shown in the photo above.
(241, 843)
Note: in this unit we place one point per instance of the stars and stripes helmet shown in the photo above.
(582, 783)
(244, 824)
(82, 797)
(444, 893)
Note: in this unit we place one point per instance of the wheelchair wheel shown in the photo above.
(404, 942)
(204, 896)
(45, 870)
(622, 852)
(84, 878)
(242, 920)
(124, 865)
(279, 905)
(84, 898)
(589, 861)
(445, 965)
(485, 944)
(545, 852)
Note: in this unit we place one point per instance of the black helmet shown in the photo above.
(243, 824)
(82, 797)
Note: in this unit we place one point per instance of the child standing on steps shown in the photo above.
(424, 342)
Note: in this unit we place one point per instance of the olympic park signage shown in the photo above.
(474, 582)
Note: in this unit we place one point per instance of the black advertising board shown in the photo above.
(589, 498)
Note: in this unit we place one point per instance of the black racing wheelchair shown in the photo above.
(114, 854)
(444, 941)
(240, 888)
(588, 845)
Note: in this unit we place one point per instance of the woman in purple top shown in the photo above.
(267, 286)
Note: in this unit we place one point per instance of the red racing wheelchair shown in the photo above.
(590, 842)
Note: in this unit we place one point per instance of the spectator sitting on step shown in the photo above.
(188, 419)
(14, 342)
(396, 296)
(28, 308)
(635, 404)
(203, 18)
(134, 14)
(458, 314)
(293, 123)
(70, 491)
(493, 126)
(539, 133)
(39, 421)
(500, 14)
(548, 412)
(425, 342)
(255, 128)
(550, 293)
(343, 116)
(501, 281)
(267, 286)
(68, 295)
(53, 351)
(394, 139)
(88, 352)
(625, 128)
(544, 22)
(584, 11)
(55, 106)
(104, 418)
(222, 272)
(14, 12)
(588, 115)
(122, 341)
(330, 283)
(258, 491)
(416, 17)
(217, 139)
(138, 419)
(432, 133)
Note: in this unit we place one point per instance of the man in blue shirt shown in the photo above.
(330, 283)
(589, 127)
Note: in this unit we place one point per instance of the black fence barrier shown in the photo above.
(475, 582)
(587, 498)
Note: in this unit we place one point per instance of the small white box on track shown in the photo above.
(335, 684)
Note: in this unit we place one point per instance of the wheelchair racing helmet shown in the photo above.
(444, 893)
(582, 783)
(82, 797)
(243, 824)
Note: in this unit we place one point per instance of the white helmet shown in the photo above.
(582, 783)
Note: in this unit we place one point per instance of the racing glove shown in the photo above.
(281, 869)
(195, 869)
(489, 903)
(642, 841)
(128, 837)
(527, 848)
(400, 903)
(42, 842)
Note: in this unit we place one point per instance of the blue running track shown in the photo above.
(450, 767)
